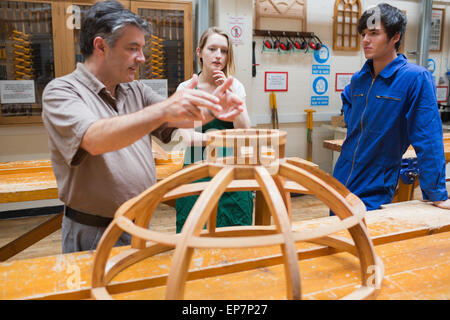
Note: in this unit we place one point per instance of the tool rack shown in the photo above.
(26, 53)
(39, 41)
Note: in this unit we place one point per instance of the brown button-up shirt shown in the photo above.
(97, 184)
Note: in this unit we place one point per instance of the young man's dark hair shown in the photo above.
(107, 19)
(392, 19)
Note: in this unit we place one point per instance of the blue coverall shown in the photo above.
(384, 115)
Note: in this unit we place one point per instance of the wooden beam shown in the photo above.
(28, 239)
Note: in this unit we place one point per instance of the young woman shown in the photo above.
(215, 54)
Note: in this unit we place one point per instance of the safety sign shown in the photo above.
(236, 27)
(322, 55)
(431, 65)
(320, 77)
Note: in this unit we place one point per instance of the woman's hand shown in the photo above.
(219, 77)
(231, 104)
(185, 104)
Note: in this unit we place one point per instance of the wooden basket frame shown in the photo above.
(135, 214)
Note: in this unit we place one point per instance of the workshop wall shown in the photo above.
(291, 104)
(30, 142)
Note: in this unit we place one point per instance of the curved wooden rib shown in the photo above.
(366, 252)
(100, 294)
(362, 292)
(291, 186)
(116, 260)
(210, 271)
(242, 231)
(236, 242)
(139, 208)
(279, 212)
(129, 257)
(143, 200)
(318, 235)
(145, 234)
(331, 181)
(146, 203)
(308, 235)
(192, 227)
(292, 175)
(335, 201)
(358, 206)
(109, 238)
(280, 182)
(338, 243)
(237, 185)
(332, 197)
(370, 288)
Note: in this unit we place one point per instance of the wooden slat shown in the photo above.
(411, 238)
(34, 179)
(28, 239)
(336, 145)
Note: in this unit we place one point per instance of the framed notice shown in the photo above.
(441, 93)
(158, 85)
(17, 91)
(236, 29)
(276, 81)
(437, 29)
(342, 80)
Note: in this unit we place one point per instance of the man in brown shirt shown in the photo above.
(99, 122)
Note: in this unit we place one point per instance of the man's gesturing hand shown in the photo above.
(184, 104)
(231, 103)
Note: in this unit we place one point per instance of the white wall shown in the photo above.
(23, 143)
(291, 104)
(30, 142)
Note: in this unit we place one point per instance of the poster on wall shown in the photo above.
(158, 85)
(342, 80)
(431, 66)
(236, 28)
(320, 77)
(17, 91)
(437, 29)
(442, 94)
(276, 81)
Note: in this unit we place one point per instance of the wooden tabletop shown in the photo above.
(411, 238)
(34, 179)
(336, 145)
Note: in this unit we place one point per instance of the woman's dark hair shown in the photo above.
(107, 19)
(392, 19)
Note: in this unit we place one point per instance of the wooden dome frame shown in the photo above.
(264, 170)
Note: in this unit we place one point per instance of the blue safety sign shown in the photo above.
(320, 77)
(320, 69)
(320, 85)
(431, 65)
(320, 101)
(322, 55)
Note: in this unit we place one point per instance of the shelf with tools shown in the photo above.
(169, 48)
(293, 40)
(39, 41)
(26, 59)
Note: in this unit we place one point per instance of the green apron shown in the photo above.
(235, 208)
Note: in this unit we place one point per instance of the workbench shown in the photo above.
(404, 191)
(336, 145)
(411, 238)
(34, 180)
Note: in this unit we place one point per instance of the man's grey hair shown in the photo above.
(107, 19)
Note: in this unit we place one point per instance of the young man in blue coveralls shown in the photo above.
(389, 105)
